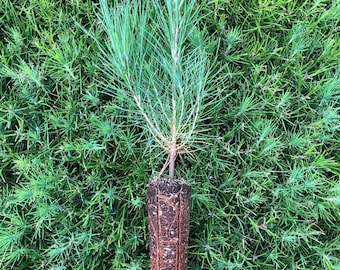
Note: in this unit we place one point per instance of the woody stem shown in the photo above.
(173, 153)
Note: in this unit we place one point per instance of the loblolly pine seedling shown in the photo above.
(154, 71)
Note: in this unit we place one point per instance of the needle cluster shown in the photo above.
(148, 58)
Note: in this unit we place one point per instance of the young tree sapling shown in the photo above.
(151, 65)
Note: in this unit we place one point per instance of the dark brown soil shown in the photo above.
(168, 211)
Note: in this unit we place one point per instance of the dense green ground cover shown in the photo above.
(266, 191)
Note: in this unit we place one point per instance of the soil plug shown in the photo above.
(168, 213)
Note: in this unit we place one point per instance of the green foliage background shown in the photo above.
(73, 173)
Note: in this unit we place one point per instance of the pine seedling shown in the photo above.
(150, 67)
